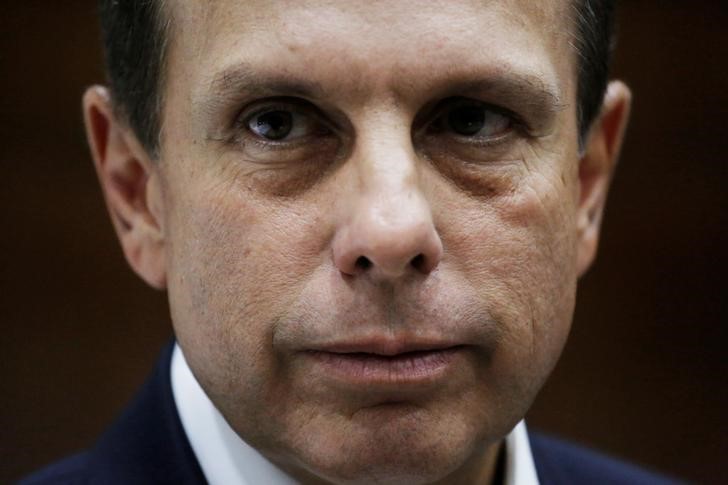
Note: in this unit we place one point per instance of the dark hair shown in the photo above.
(135, 34)
(595, 40)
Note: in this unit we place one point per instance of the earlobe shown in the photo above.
(131, 186)
(596, 167)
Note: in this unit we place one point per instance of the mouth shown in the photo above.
(386, 365)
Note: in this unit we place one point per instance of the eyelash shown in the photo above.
(304, 108)
(446, 106)
(294, 105)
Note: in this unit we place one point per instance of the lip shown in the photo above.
(386, 347)
(386, 363)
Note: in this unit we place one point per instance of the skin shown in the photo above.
(470, 240)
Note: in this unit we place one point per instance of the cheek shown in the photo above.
(517, 249)
(232, 247)
(236, 265)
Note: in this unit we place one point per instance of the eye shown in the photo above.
(473, 120)
(283, 123)
(273, 125)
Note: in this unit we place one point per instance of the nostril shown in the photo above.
(418, 262)
(362, 262)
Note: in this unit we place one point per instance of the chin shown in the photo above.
(404, 447)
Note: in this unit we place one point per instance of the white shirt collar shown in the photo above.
(520, 468)
(226, 459)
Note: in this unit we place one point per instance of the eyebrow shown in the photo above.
(241, 81)
(511, 89)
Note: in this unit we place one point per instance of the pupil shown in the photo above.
(466, 120)
(275, 125)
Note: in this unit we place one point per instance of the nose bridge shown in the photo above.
(387, 168)
(386, 163)
(389, 231)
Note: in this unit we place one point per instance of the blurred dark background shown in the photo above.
(643, 376)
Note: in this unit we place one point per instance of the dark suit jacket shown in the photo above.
(147, 445)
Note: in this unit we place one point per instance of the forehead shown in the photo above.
(362, 46)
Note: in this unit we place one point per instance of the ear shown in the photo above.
(596, 167)
(131, 185)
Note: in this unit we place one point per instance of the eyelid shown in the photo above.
(267, 105)
(241, 133)
(429, 118)
(451, 103)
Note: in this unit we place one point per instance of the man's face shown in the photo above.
(369, 216)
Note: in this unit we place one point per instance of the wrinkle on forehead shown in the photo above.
(365, 30)
(358, 51)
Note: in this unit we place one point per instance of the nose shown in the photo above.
(388, 231)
